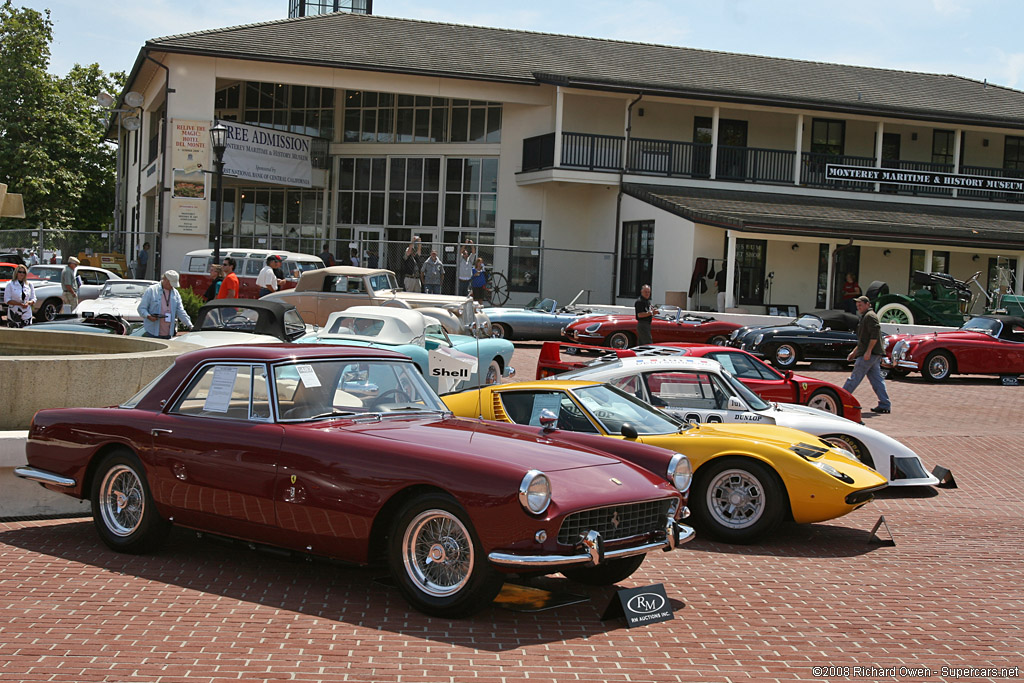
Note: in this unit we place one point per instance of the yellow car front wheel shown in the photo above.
(737, 500)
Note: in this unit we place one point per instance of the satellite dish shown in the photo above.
(133, 99)
(104, 100)
(131, 122)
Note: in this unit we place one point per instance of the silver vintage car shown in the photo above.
(543, 319)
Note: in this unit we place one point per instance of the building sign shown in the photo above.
(190, 152)
(949, 181)
(268, 156)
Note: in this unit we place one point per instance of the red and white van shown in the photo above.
(195, 269)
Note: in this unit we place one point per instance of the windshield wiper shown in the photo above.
(334, 413)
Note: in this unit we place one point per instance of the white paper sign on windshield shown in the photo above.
(307, 376)
(542, 402)
(221, 386)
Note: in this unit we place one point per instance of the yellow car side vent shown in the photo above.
(499, 410)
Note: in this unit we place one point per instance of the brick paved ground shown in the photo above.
(950, 593)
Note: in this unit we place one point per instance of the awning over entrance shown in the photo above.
(824, 217)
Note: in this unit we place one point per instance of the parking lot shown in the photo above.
(815, 602)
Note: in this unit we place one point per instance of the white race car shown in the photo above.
(700, 390)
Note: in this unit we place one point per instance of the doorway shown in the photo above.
(732, 133)
(371, 245)
(845, 259)
(890, 157)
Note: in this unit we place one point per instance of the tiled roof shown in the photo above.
(764, 212)
(419, 47)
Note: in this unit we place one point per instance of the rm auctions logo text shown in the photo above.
(646, 603)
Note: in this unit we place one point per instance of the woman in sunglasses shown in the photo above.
(19, 297)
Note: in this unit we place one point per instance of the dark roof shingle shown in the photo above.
(420, 47)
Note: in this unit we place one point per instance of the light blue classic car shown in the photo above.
(447, 361)
(543, 319)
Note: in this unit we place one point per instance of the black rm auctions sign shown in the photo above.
(641, 606)
(950, 181)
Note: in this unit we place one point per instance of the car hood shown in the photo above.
(954, 335)
(776, 329)
(782, 437)
(526, 448)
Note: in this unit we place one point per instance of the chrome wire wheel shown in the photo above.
(437, 552)
(938, 366)
(122, 500)
(735, 499)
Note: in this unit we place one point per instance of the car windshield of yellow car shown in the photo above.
(612, 408)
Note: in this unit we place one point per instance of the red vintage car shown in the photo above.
(755, 374)
(348, 453)
(984, 345)
(670, 325)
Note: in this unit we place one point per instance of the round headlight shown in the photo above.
(735, 333)
(680, 473)
(758, 339)
(593, 328)
(535, 492)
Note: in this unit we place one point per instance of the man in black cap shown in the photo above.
(867, 357)
(268, 280)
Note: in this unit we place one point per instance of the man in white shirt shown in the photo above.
(267, 279)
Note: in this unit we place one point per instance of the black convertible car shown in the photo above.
(822, 335)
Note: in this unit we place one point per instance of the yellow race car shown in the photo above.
(747, 478)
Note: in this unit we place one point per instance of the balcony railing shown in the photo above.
(674, 159)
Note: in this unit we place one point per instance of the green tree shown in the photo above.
(52, 135)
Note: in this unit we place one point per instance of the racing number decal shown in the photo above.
(693, 417)
(714, 418)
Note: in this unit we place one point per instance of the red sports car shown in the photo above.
(985, 345)
(619, 331)
(758, 376)
(348, 453)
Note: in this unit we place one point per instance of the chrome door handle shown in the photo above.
(158, 432)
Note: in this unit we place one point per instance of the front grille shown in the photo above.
(615, 522)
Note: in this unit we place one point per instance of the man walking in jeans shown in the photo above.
(867, 357)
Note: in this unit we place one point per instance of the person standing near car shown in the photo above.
(161, 308)
(216, 278)
(69, 284)
(19, 297)
(229, 288)
(412, 266)
(432, 270)
(143, 261)
(645, 311)
(465, 269)
(867, 357)
(326, 256)
(479, 280)
(268, 280)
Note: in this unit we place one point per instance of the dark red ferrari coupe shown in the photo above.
(755, 374)
(348, 453)
(984, 345)
(669, 325)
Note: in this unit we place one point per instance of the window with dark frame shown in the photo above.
(942, 146)
(750, 266)
(1013, 153)
(828, 137)
(389, 117)
(524, 257)
(636, 257)
(940, 264)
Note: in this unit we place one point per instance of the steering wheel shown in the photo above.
(237, 319)
(398, 395)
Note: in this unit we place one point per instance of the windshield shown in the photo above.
(380, 282)
(612, 407)
(50, 273)
(322, 389)
(984, 325)
(809, 321)
(753, 400)
(545, 305)
(297, 268)
(127, 290)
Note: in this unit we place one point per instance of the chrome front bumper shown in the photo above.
(43, 477)
(592, 553)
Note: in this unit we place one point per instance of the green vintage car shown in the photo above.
(939, 300)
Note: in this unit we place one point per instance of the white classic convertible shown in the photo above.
(700, 390)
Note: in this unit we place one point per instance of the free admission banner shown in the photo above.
(268, 156)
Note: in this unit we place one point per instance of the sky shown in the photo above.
(978, 39)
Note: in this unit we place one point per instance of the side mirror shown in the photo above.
(629, 431)
(788, 375)
(736, 404)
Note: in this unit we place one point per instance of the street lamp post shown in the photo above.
(219, 142)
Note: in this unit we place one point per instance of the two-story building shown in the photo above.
(579, 163)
